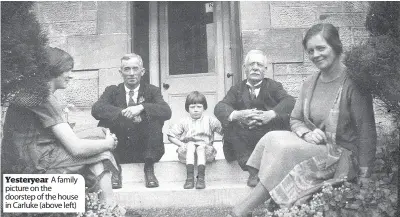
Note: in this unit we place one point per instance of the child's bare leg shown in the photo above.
(106, 196)
(190, 150)
(201, 162)
(201, 155)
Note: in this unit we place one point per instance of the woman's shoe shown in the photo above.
(116, 181)
(253, 180)
(120, 211)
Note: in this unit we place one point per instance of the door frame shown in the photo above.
(228, 53)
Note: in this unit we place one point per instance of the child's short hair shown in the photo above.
(195, 97)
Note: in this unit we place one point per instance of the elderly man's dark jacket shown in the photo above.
(109, 106)
(271, 96)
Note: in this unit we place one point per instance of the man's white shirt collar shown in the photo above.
(135, 90)
(135, 94)
(259, 83)
(257, 90)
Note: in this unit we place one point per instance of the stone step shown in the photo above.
(226, 182)
(171, 194)
(173, 171)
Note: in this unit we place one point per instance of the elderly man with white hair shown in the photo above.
(250, 109)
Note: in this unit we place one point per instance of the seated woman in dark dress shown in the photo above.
(38, 139)
(332, 135)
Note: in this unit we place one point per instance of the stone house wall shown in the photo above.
(97, 34)
(278, 29)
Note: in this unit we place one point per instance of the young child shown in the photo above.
(194, 134)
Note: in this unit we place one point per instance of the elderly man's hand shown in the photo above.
(245, 116)
(253, 124)
(132, 111)
(264, 117)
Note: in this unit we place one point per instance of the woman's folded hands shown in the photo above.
(317, 136)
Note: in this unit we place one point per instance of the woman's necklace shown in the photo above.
(333, 79)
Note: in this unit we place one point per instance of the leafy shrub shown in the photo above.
(375, 67)
(375, 196)
(383, 18)
(94, 208)
(23, 59)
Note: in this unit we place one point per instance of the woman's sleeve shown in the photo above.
(297, 117)
(362, 114)
(49, 112)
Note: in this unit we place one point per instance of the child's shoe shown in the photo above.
(189, 184)
(201, 183)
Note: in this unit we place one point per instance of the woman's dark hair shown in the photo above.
(59, 61)
(329, 33)
(195, 97)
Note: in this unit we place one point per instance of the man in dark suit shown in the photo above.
(135, 111)
(250, 109)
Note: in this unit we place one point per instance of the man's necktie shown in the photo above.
(131, 102)
(253, 91)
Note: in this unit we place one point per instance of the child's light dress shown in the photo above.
(198, 131)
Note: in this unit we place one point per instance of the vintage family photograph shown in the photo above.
(205, 109)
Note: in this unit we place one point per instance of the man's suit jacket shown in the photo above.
(109, 106)
(271, 96)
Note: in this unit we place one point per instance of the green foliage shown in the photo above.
(372, 198)
(375, 196)
(23, 57)
(375, 67)
(94, 208)
(383, 18)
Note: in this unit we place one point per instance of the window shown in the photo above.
(191, 38)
